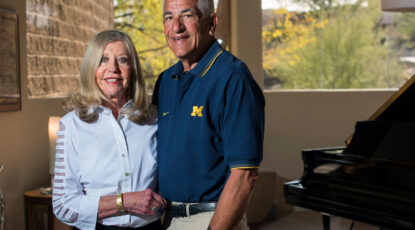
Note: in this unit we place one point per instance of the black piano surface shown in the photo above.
(372, 179)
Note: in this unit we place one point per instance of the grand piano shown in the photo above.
(372, 178)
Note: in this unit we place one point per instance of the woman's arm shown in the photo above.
(141, 202)
(70, 204)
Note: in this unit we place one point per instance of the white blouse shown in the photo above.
(106, 157)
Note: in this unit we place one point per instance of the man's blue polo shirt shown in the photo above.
(211, 120)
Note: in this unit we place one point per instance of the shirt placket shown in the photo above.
(121, 141)
(182, 87)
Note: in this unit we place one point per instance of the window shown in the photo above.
(335, 44)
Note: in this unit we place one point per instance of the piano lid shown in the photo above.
(399, 107)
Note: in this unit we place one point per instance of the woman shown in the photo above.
(105, 171)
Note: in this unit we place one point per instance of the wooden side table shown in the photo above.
(38, 212)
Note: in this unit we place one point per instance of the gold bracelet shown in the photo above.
(119, 202)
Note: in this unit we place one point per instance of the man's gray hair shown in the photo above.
(206, 7)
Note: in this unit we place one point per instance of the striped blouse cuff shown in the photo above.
(88, 212)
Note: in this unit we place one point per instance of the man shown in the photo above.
(211, 124)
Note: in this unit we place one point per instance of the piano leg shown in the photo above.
(326, 221)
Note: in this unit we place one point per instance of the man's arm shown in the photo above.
(233, 202)
(242, 132)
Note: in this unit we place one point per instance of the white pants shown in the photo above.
(200, 222)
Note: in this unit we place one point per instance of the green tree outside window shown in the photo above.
(336, 45)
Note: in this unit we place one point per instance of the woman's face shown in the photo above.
(114, 70)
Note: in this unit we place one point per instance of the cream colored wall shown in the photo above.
(23, 138)
(295, 120)
(314, 119)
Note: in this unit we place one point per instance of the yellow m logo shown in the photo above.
(197, 111)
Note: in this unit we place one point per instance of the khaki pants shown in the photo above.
(200, 222)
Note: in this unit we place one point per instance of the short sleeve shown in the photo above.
(243, 121)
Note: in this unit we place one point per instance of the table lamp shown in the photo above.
(53, 127)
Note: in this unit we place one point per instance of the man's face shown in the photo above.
(187, 33)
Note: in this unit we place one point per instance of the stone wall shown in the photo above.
(58, 32)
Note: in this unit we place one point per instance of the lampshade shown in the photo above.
(398, 5)
(53, 128)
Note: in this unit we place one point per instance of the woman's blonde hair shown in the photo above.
(89, 96)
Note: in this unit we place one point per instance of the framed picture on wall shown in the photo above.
(9, 62)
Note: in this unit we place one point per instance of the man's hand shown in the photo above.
(234, 199)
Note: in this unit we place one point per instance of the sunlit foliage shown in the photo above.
(332, 46)
(143, 21)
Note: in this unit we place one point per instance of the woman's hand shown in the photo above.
(144, 202)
